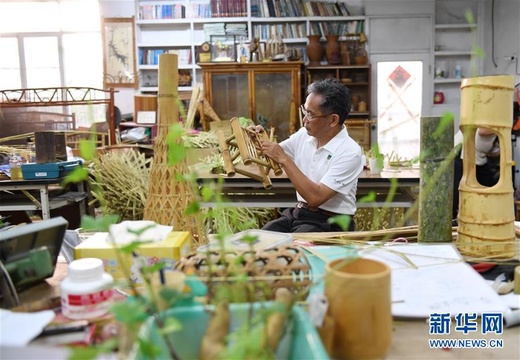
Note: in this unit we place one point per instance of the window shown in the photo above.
(399, 99)
(53, 43)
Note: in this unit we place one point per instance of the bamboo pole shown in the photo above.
(170, 196)
(241, 143)
(224, 149)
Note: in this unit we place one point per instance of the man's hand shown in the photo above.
(274, 151)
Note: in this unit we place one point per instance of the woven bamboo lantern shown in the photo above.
(169, 196)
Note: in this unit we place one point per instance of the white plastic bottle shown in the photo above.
(86, 292)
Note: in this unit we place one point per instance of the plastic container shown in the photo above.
(301, 340)
(264, 240)
(15, 168)
(86, 292)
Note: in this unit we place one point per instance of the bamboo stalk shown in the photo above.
(241, 142)
(224, 149)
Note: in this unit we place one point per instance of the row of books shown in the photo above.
(285, 31)
(160, 11)
(228, 8)
(337, 27)
(151, 56)
(298, 8)
(238, 8)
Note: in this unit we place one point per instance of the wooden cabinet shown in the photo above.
(357, 79)
(269, 93)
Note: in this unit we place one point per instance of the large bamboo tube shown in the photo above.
(486, 214)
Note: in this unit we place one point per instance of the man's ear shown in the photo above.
(334, 121)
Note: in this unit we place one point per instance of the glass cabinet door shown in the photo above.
(231, 95)
(273, 97)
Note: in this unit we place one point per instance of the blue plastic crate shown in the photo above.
(55, 170)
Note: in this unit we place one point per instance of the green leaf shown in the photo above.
(368, 198)
(79, 174)
(171, 324)
(148, 349)
(142, 230)
(193, 208)
(87, 148)
(446, 121)
(130, 311)
(101, 223)
(131, 247)
(249, 239)
(153, 268)
(343, 221)
(93, 352)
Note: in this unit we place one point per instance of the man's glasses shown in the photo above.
(308, 115)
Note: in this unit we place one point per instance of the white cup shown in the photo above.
(375, 169)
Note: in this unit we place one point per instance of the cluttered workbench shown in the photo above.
(411, 333)
(45, 203)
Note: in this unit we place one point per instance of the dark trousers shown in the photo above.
(302, 220)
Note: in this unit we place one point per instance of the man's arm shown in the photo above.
(315, 194)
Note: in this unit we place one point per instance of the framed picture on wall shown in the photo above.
(119, 63)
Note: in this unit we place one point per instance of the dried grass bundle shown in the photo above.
(230, 220)
(121, 182)
(203, 139)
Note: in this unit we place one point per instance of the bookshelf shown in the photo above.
(181, 26)
(454, 55)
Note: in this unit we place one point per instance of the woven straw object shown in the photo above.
(169, 196)
(278, 267)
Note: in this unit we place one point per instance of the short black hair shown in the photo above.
(335, 97)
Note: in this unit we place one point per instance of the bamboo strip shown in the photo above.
(292, 118)
(276, 167)
(264, 180)
(228, 162)
(241, 142)
(190, 117)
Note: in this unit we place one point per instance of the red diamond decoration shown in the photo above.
(399, 76)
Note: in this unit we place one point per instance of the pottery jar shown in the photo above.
(332, 50)
(314, 50)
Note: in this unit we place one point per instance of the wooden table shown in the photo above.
(242, 191)
(45, 203)
(410, 337)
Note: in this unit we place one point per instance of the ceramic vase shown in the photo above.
(332, 50)
(358, 291)
(314, 50)
(361, 57)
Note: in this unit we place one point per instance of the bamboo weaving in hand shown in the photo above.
(248, 144)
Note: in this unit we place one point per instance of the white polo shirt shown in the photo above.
(336, 165)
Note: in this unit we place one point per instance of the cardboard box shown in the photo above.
(169, 250)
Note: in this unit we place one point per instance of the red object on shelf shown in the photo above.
(438, 97)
